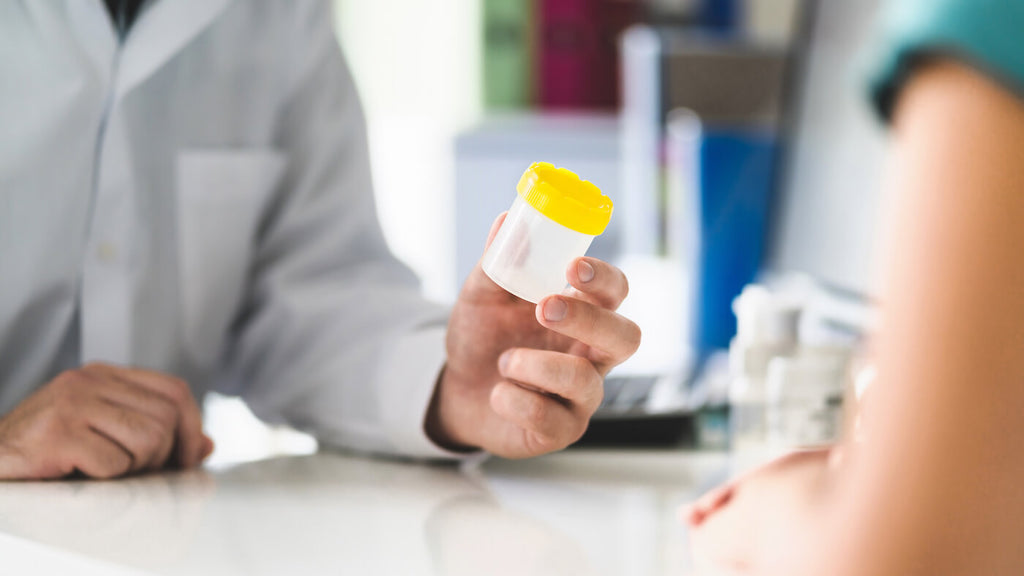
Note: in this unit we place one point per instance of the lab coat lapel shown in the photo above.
(94, 31)
(161, 31)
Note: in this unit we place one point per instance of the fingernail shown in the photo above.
(585, 271)
(555, 310)
(503, 360)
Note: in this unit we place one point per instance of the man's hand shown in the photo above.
(755, 524)
(103, 421)
(523, 380)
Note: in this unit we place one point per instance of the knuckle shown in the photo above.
(515, 361)
(95, 367)
(148, 445)
(68, 381)
(65, 404)
(544, 442)
(559, 370)
(165, 412)
(583, 369)
(65, 377)
(573, 371)
(178, 389)
(587, 316)
(129, 421)
(151, 436)
(114, 467)
(536, 410)
(633, 337)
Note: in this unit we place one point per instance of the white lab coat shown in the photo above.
(197, 200)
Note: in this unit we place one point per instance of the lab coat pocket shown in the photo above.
(222, 194)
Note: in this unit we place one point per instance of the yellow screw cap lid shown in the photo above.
(563, 197)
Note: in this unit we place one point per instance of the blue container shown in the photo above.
(720, 15)
(737, 168)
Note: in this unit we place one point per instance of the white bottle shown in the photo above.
(805, 394)
(767, 328)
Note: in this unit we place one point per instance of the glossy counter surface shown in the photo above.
(577, 512)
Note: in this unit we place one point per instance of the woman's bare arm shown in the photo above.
(938, 487)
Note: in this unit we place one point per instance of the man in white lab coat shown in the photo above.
(185, 205)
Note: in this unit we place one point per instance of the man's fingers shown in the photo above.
(96, 456)
(597, 282)
(494, 229)
(117, 389)
(568, 376)
(612, 337)
(190, 422)
(148, 442)
(548, 425)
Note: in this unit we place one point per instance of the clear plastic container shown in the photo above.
(553, 220)
(805, 398)
(767, 328)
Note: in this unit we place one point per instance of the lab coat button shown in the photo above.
(106, 253)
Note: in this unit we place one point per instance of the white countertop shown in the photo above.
(577, 512)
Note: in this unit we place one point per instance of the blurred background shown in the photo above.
(431, 72)
(735, 140)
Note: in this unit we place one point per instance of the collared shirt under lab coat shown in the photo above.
(198, 201)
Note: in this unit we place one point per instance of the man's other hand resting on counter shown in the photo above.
(103, 421)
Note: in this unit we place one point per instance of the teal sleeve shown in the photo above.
(985, 34)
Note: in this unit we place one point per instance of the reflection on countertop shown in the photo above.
(578, 512)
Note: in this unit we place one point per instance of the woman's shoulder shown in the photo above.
(985, 34)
